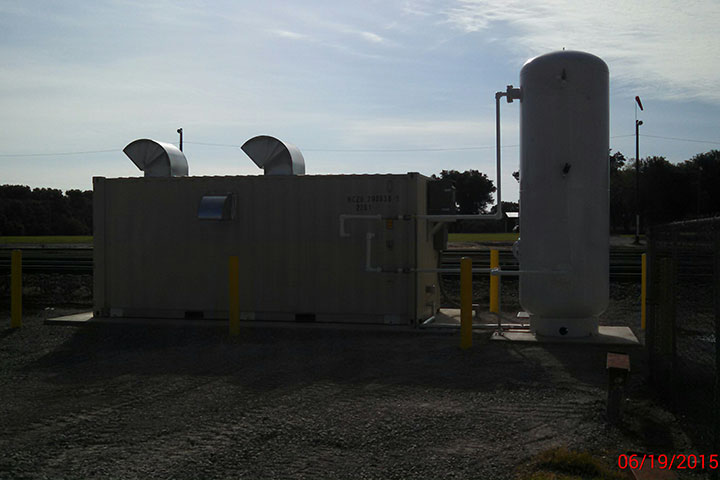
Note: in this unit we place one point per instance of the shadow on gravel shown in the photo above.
(7, 332)
(268, 358)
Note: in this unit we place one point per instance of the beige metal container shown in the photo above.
(155, 257)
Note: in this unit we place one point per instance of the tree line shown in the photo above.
(668, 192)
(44, 211)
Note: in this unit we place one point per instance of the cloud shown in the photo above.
(371, 37)
(289, 35)
(420, 133)
(655, 47)
(419, 128)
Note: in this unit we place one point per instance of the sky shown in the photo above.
(360, 87)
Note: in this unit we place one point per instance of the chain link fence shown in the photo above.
(682, 324)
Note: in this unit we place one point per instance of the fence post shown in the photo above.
(643, 290)
(663, 327)
(673, 267)
(234, 294)
(465, 303)
(651, 305)
(494, 282)
(16, 289)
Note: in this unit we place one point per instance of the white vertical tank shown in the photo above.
(564, 211)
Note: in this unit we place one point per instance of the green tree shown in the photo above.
(509, 207)
(622, 188)
(473, 190)
(701, 179)
(663, 190)
(44, 211)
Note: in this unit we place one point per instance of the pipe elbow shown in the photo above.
(513, 93)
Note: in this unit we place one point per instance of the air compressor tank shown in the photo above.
(564, 202)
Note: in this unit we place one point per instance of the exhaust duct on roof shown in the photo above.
(157, 159)
(275, 156)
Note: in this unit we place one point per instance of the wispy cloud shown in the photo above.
(289, 35)
(419, 132)
(419, 8)
(668, 52)
(371, 37)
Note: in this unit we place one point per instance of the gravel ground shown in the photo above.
(119, 401)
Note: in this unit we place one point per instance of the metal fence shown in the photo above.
(682, 324)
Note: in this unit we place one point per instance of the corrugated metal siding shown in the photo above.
(156, 257)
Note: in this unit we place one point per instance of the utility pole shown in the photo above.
(179, 130)
(638, 103)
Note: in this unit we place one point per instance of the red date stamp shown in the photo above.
(662, 461)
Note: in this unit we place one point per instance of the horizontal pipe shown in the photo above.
(446, 270)
(496, 272)
(368, 268)
(435, 218)
(522, 326)
(452, 218)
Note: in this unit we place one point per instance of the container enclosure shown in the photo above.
(161, 247)
(564, 220)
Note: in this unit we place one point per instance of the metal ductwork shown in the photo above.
(275, 156)
(157, 159)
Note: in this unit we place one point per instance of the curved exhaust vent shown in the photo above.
(157, 159)
(275, 156)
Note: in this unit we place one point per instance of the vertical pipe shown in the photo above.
(465, 303)
(494, 282)
(16, 289)
(637, 179)
(643, 290)
(497, 156)
(234, 294)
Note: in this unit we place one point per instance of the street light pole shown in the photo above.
(637, 171)
(179, 130)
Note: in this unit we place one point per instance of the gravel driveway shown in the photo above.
(126, 402)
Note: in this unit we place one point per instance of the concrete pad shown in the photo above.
(608, 335)
(87, 319)
(75, 319)
(450, 318)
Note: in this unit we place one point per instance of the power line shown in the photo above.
(681, 139)
(391, 150)
(370, 150)
(56, 154)
(345, 150)
(213, 144)
(396, 150)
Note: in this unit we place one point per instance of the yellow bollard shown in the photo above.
(643, 290)
(465, 303)
(16, 289)
(494, 282)
(234, 294)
